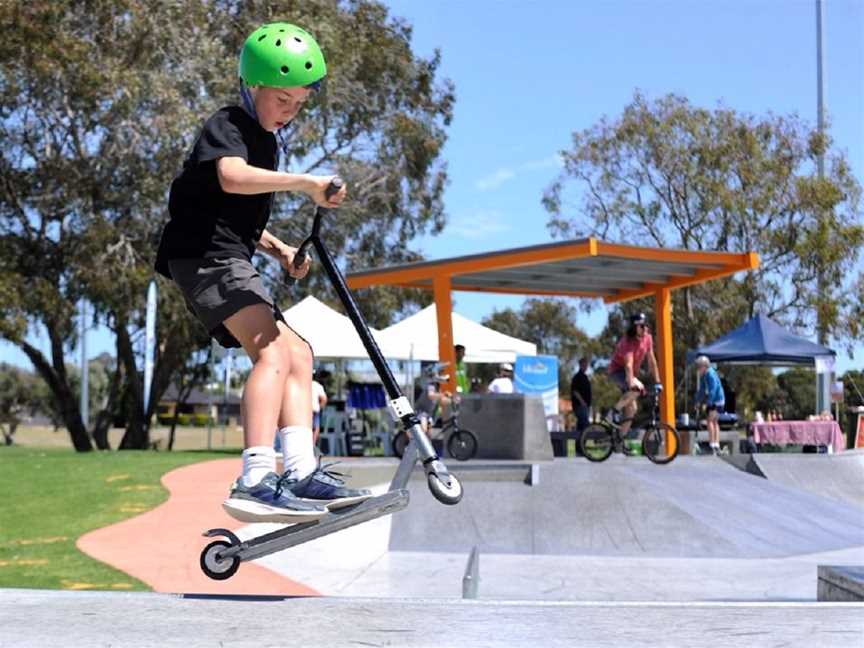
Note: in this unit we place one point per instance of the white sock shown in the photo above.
(257, 462)
(298, 452)
(715, 445)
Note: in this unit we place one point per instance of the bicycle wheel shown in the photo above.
(596, 442)
(400, 442)
(660, 444)
(462, 444)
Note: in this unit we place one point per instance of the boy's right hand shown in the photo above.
(318, 187)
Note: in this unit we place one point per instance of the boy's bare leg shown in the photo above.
(269, 350)
(259, 494)
(295, 412)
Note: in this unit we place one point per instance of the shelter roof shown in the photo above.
(578, 268)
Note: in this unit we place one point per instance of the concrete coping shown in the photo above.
(840, 583)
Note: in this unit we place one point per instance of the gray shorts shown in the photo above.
(215, 289)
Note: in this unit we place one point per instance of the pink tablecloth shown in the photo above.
(800, 433)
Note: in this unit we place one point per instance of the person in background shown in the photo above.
(503, 384)
(319, 402)
(462, 384)
(580, 394)
(710, 393)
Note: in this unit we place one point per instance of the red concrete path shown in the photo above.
(162, 547)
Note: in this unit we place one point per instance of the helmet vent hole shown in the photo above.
(284, 69)
(278, 42)
(308, 65)
(298, 39)
(262, 37)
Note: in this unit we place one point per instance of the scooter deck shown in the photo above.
(375, 507)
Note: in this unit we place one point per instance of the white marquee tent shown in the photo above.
(330, 333)
(417, 337)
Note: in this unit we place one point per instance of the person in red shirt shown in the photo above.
(630, 353)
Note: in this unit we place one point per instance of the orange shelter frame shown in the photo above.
(586, 268)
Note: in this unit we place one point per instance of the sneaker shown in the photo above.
(613, 416)
(270, 500)
(326, 487)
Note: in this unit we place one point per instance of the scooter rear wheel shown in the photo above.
(445, 494)
(213, 566)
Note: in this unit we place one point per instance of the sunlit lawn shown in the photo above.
(52, 496)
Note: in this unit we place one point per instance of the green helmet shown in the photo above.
(281, 55)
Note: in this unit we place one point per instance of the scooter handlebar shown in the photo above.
(300, 258)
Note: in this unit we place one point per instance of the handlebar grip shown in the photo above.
(333, 188)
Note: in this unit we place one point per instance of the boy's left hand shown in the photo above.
(286, 260)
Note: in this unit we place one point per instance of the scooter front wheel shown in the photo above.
(445, 494)
(216, 567)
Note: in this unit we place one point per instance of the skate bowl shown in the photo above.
(698, 529)
(836, 476)
(692, 508)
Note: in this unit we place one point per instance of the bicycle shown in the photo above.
(461, 442)
(660, 442)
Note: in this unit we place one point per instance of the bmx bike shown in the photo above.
(221, 558)
(660, 442)
(461, 443)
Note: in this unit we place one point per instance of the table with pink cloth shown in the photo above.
(799, 433)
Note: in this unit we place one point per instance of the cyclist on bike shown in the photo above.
(431, 401)
(630, 353)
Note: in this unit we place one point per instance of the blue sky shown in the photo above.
(528, 74)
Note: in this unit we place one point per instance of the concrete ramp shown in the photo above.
(838, 477)
(696, 507)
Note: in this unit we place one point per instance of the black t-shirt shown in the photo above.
(581, 385)
(205, 221)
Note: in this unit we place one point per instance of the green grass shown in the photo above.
(51, 497)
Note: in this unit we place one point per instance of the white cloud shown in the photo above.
(505, 174)
(495, 180)
(477, 225)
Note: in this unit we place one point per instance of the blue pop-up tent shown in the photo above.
(762, 341)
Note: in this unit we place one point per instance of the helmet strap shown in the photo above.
(249, 106)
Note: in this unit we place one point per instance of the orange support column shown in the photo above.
(444, 313)
(663, 309)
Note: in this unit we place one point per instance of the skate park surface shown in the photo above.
(623, 553)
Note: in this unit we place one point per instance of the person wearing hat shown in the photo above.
(630, 352)
(710, 393)
(503, 384)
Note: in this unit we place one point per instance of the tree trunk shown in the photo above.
(137, 435)
(67, 404)
(105, 417)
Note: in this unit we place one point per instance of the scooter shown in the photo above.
(221, 559)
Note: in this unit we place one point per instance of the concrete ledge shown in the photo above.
(840, 583)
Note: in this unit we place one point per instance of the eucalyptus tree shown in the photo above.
(669, 174)
(99, 103)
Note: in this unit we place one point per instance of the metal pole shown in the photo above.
(85, 373)
(823, 379)
(149, 347)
